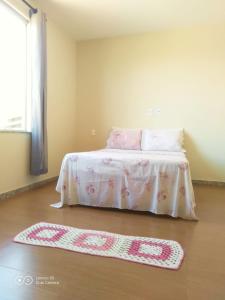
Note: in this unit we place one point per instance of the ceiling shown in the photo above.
(89, 19)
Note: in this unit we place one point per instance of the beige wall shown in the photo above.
(182, 72)
(14, 147)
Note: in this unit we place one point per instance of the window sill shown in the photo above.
(14, 131)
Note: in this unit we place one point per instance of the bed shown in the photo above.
(154, 181)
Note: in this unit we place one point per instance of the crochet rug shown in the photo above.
(150, 251)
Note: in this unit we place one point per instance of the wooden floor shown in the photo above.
(72, 276)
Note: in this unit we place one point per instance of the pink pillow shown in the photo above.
(129, 139)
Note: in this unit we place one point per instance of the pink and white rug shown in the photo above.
(155, 252)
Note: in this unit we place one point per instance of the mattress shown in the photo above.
(158, 182)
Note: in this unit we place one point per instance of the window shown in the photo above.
(14, 108)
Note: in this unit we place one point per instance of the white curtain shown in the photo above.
(39, 152)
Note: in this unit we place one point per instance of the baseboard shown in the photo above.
(27, 188)
(208, 182)
(52, 179)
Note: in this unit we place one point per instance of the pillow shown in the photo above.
(162, 139)
(120, 138)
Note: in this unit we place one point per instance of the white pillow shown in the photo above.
(162, 140)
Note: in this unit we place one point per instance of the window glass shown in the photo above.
(13, 70)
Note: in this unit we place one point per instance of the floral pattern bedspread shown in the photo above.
(158, 182)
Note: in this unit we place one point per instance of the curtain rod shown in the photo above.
(34, 10)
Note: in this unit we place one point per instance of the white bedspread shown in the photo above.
(158, 182)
